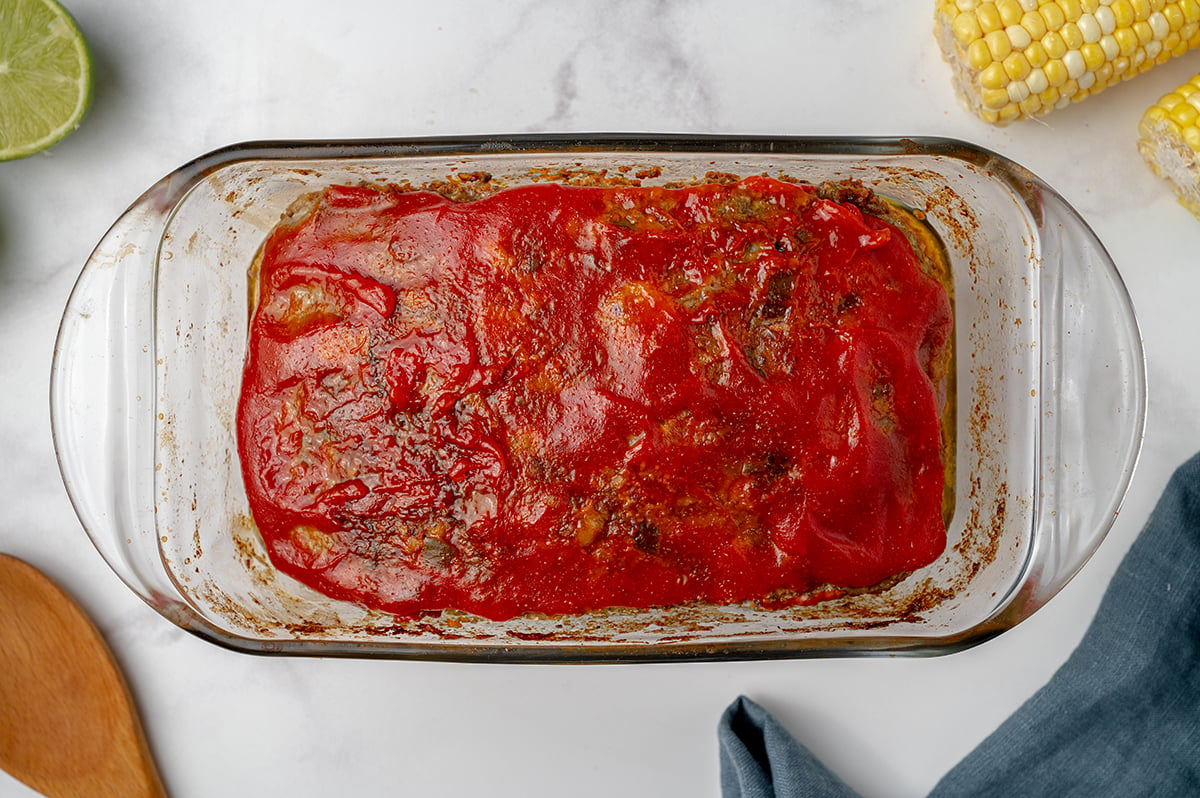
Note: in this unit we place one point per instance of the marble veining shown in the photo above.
(176, 80)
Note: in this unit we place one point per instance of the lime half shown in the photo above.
(45, 76)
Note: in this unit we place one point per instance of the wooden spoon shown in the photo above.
(67, 724)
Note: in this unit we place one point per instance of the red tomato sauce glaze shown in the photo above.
(559, 398)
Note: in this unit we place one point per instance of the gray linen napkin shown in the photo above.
(1120, 717)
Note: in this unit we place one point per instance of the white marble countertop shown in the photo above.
(175, 80)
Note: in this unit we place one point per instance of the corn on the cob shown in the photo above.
(1169, 140)
(1015, 59)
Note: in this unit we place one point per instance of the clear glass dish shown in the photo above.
(1050, 390)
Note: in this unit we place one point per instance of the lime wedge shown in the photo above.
(45, 76)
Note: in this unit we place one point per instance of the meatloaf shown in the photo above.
(558, 398)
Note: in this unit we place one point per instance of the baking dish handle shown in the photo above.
(102, 398)
(1093, 361)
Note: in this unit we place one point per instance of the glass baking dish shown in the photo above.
(1050, 392)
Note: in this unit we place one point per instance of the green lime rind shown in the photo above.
(45, 76)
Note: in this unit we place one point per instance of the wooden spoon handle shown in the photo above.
(67, 723)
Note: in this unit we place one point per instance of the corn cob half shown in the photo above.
(1015, 59)
(1169, 140)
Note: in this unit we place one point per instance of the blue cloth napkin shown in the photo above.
(1120, 717)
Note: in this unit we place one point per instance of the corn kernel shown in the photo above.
(1153, 50)
(1089, 6)
(1127, 40)
(1035, 54)
(1069, 89)
(1122, 12)
(1184, 114)
(1010, 12)
(1033, 24)
(1121, 65)
(989, 17)
(998, 44)
(1049, 97)
(1159, 25)
(1070, 9)
(994, 99)
(1008, 113)
(1018, 37)
(1190, 9)
(1104, 18)
(1191, 137)
(1086, 81)
(1052, 15)
(1141, 9)
(1144, 32)
(1105, 73)
(1055, 46)
(1056, 72)
(1030, 106)
(1037, 81)
(1110, 47)
(1071, 36)
(1074, 63)
(978, 54)
(1089, 28)
(966, 5)
(1158, 5)
(1155, 114)
(1093, 56)
(1017, 91)
(994, 77)
(1170, 100)
(966, 29)
(1174, 15)
(1016, 66)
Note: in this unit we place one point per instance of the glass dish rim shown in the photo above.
(1024, 183)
